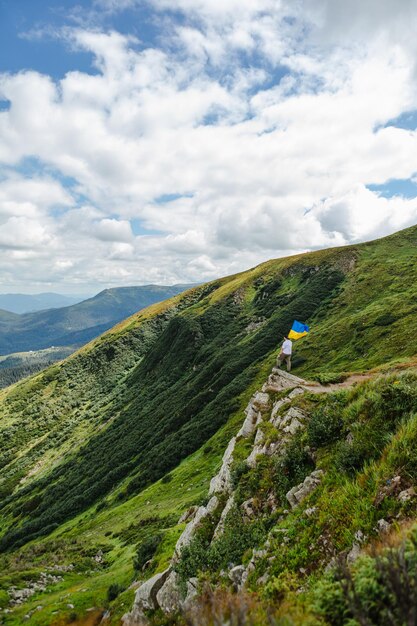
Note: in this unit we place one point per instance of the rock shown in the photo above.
(383, 526)
(220, 526)
(407, 494)
(360, 537)
(253, 417)
(285, 421)
(277, 406)
(292, 428)
(295, 392)
(280, 380)
(249, 509)
(189, 530)
(192, 592)
(310, 511)
(169, 596)
(222, 482)
(353, 554)
(261, 401)
(298, 493)
(262, 580)
(236, 575)
(145, 598)
(188, 515)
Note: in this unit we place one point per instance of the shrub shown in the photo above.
(146, 551)
(113, 591)
(325, 425)
(379, 590)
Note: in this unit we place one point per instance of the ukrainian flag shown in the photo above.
(298, 330)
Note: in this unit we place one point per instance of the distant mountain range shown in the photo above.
(28, 303)
(77, 324)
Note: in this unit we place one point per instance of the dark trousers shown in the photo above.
(284, 357)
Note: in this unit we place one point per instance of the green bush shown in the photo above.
(325, 425)
(378, 590)
(146, 551)
(113, 591)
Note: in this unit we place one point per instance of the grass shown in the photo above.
(178, 376)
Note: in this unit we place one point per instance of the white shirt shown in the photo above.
(287, 347)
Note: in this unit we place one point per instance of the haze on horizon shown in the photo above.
(175, 141)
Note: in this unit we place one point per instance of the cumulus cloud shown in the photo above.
(249, 129)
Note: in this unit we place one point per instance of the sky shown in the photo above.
(176, 141)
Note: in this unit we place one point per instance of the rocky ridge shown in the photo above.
(273, 405)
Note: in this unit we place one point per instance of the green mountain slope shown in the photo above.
(77, 324)
(106, 449)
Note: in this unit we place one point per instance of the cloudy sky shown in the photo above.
(179, 140)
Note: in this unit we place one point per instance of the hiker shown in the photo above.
(285, 354)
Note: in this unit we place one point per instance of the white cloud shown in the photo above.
(245, 132)
(114, 230)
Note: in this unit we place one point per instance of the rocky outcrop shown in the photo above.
(220, 526)
(164, 591)
(190, 529)
(298, 493)
(222, 482)
(146, 598)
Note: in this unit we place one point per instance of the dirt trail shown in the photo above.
(346, 384)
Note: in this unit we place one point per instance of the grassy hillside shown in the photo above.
(104, 451)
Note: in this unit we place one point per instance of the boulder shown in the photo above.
(298, 493)
(145, 598)
(237, 575)
(277, 406)
(169, 596)
(222, 482)
(249, 509)
(407, 494)
(253, 417)
(261, 401)
(280, 380)
(192, 592)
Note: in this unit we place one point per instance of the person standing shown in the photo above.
(285, 354)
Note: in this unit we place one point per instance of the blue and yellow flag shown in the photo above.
(298, 330)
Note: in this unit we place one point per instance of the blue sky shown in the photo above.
(176, 141)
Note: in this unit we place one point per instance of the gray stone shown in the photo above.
(145, 598)
(236, 575)
(188, 515)
(192, 592)
(189, 530)
(277, 405)
(220, 526)
(261, 401)
(298, 493)
(383, 526)
(280, 380)
(354, 553)
(222, 482)
(253, 417)
(169, 596)
(293, 426)
(407, 494)
(248, 508)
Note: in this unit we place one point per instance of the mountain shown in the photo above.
(77, 324)
(106, 456)
(27, 303)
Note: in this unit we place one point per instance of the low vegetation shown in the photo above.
(100, 455)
